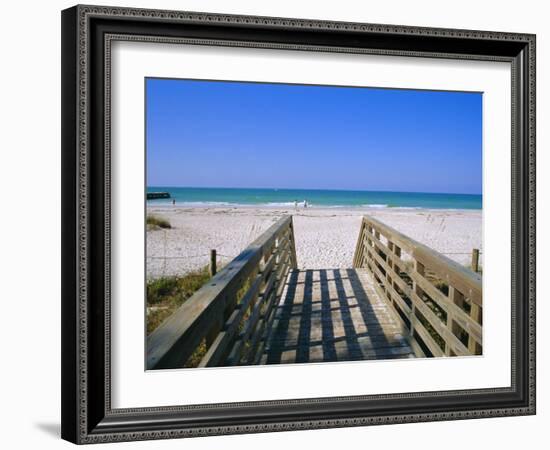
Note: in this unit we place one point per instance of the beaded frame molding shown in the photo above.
(87, 34)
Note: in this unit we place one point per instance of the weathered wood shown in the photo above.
(379, 249)
(359, 249)
(450, 308)
(219, 348)
(439, 326)
(435, 349)
(332, 315)
(456, 298)
(294, 259)
(473, 344)
(266, 314)
(269, 318)
(418, 269)
(475, 260)
(213, 262)
(248, 328)
(213, 314)
(325, 315)
(444, 267)
(405, 309)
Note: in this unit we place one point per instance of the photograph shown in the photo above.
(295, 223)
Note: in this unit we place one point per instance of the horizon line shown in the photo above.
(314, 189)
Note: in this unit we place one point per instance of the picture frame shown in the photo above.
(87, 412)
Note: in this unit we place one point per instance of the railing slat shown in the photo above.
(463, 319)
(236, 352)
(271, 312)
(212, 313)
(444, 267)
(436, 295)
(220, 347)
(435, 349)
(273, 297)
(386, 263)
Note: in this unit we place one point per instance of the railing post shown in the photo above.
(358, 255)
(212, 262)
(418, 268)
(475, 260)
(365, 247)
(458, 299)
(389, 259)
(396, 252)
(294, 263)
(389, 262)
(475, 314)
(370, 246)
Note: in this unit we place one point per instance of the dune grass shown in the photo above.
(155, 222)
(166, 294)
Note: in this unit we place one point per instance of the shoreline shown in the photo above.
(325, 237)
(291, 208)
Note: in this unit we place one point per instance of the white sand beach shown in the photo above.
(325, 238)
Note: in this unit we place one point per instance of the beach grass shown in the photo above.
(166, 294)
(155, 222)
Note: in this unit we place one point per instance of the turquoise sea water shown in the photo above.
(314, 198)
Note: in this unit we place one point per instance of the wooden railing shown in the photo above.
(226, 322)
(438, 301)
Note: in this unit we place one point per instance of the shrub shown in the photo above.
(155, 222)
(166, 294)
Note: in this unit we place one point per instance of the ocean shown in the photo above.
(316, 198)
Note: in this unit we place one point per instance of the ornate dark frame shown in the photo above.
(87, 31)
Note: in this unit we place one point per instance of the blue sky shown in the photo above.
(263, 135)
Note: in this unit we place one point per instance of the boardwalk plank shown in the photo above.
(333, 315)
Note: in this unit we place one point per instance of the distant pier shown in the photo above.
(155, 195)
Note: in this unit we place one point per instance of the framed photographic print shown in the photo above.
(279, 224)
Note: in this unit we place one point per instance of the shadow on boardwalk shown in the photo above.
(333, 315)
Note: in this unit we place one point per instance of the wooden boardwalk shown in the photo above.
(333, 315)
(401, 299)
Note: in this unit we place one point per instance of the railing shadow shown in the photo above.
(284, 314)
(302, 350)
(370, 318)
(326, 327)
(351, 338)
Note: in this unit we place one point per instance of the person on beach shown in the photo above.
(305, 203)
(295, 205)
(173, 202)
